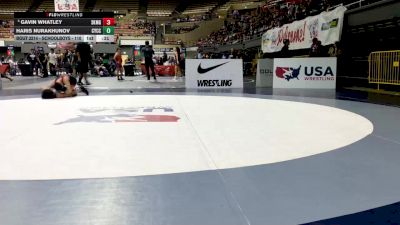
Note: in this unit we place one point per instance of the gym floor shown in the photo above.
(139, 152)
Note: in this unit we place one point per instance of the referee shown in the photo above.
(148, 52)
(82, 65)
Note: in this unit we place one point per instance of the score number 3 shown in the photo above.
(108, 22)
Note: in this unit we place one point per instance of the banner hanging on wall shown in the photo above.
(66, 5)
(326, 27)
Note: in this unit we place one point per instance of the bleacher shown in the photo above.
(127, 31)
(241, 4)
(9, 7)
(6, 32)
(120, 5)
(160, 8)
(130, 25)
(201, 7)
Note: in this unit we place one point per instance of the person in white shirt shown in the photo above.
(52, 62)
(199, 54)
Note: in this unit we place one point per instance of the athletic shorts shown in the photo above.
(82, 67)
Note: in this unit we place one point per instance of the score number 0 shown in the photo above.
(108, 30)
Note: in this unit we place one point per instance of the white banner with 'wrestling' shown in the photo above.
(327, 27)
(214, 73)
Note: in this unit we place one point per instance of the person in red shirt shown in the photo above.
(4, 69)
(118, 61)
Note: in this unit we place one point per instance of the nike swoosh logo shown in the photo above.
(205, 70)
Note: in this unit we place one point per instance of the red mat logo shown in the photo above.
(149, 118)
(124, 115)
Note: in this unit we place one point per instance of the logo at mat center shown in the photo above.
(160, 114)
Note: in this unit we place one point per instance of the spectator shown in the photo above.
(179, 60)
(199, 54)
(315, 50)
(285, 53)
(334, 50)
(52, 62)
(247, 24)
(321, 49)
(165, 57)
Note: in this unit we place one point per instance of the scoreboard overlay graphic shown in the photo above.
(71, 27)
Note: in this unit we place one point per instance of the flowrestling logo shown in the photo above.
(312, 73)
(123, 115)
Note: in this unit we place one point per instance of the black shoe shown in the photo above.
(84, 90)
(88, 83)
(80, 83)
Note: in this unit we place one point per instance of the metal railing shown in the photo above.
(384, 67)
(354, 4)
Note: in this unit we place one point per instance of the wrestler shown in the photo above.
(62, 87)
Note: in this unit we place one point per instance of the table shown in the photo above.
(161, 70)
(129, 69)
(25, 69)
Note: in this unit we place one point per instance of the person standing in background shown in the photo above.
(74, 59)
(33, 59)
(43, 62)
(52, 62)
(336, 51)
(4, 69)
(178, 69)
(59, 62)
(315, 50)
(284, 53)
(118, 61)
(148, 52)
(82, 65)
(165, 57)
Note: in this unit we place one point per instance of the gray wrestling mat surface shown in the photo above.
(192, 157)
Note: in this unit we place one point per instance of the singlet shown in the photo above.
(118, 58)
(60, 80)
